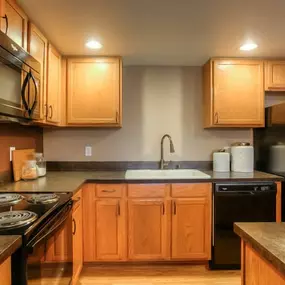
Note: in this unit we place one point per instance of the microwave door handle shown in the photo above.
(25, 84)
(36, 94)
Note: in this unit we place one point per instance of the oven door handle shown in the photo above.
(244, 193)
(35, 241)
(31, 110)
(24, 87)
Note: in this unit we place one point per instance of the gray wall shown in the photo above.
(156, 100)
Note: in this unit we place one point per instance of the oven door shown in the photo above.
(50, 258)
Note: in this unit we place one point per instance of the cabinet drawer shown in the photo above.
(146, 190)
(190, 190)
(110, 190)
(77, 199)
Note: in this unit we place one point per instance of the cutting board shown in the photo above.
(19, 157)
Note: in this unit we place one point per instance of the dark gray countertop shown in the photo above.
(268, 239)
(72, 181)
(8, 245)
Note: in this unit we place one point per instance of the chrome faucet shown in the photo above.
(163, 163)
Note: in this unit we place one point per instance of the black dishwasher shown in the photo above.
(238, 202)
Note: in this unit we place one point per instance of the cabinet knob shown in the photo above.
(174, 207)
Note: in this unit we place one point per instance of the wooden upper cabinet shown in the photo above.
(38, 47)
(53, 86)
(15, 23)
(275, 75)
(77, 237)
(147, 229)
(276, 115)
(110, 230)
(233, 93)
(94, 95)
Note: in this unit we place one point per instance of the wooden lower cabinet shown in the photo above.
(5, 272)
(110, 229)
(58, 247)
(191, 229)
(147, 222)
(147, 229)
(77, 238)
(257, 271)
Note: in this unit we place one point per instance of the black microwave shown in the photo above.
(19, 81)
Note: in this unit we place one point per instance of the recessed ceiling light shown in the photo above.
(92, 44)
(248, 46)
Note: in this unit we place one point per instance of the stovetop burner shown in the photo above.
(10, 199)
(43, 198)
(15, 219)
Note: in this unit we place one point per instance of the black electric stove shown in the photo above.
(36, 217)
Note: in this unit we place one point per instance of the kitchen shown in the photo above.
(97, 85)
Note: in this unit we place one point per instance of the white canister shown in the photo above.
(242, 157)
(277, 158)
(221, 161)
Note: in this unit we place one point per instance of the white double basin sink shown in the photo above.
(180, 174)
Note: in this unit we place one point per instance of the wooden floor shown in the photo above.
(157, 274)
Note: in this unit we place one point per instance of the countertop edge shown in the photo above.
(13, 246)
(260, 249)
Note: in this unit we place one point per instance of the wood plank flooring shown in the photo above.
(156, 275)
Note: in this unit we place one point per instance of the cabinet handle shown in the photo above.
(174, 207)
(7, 23)
(163, 209)
(117, 117)
(74, 227)
(216, 118)
(51, 111)
(118, 209)
(109, 191)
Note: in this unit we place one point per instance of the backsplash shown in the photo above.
(156, 100)
(21, 137)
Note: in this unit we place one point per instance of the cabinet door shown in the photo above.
(147, 229)
(5, 272)
(277, 114)
(58, 246)
(77, 243)
(275, 75)
(17, 23)
(110, 230)
(37, 47)
(238, 94)
(191, 235)
(94, 91)
(53, 85)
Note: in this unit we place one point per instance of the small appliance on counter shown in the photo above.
(242, 157)
(277, 158)
(221, 161)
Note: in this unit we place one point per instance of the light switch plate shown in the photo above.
(12, 148)
(88, 150)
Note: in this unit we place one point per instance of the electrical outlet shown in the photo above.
(12, 148)
(88, 150)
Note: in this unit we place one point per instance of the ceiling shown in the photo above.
(162, 32)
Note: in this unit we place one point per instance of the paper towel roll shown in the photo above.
(221, 161)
